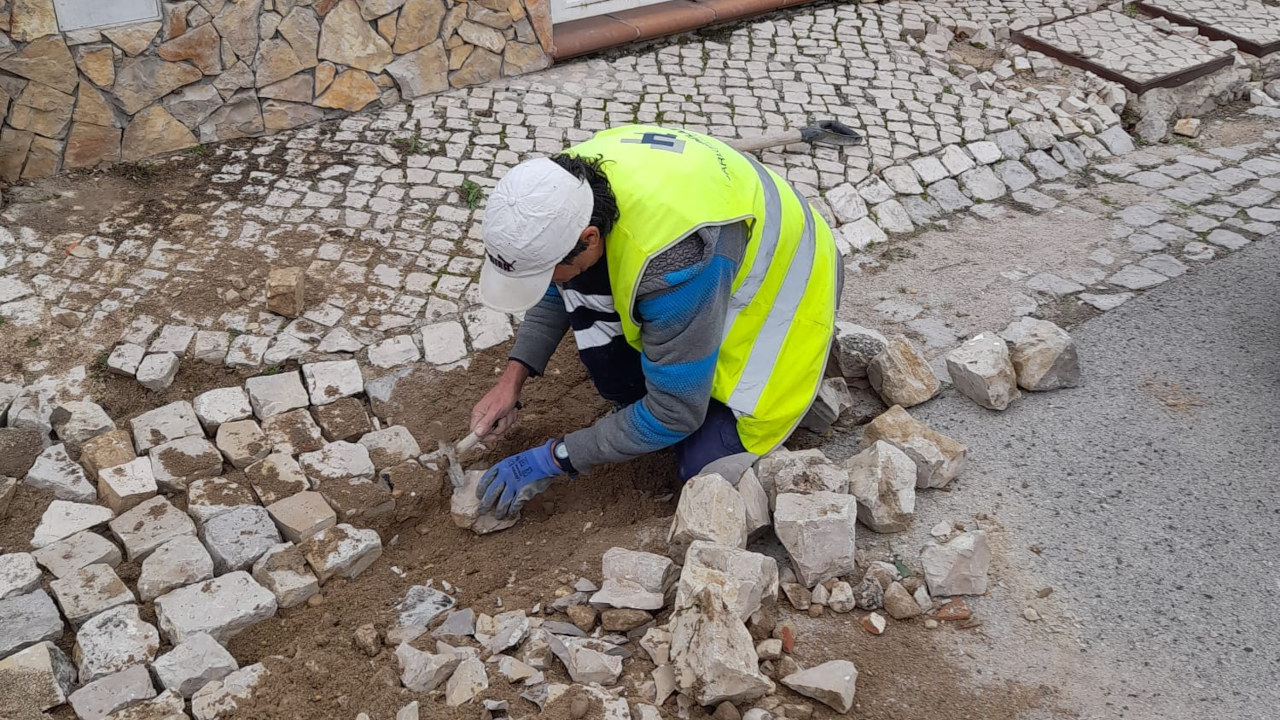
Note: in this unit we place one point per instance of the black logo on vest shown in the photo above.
(503, 264)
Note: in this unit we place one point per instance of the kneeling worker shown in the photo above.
(700, 287)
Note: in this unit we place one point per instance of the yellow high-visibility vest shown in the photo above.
(669, 183)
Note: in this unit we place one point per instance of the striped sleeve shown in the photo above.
(540, 332)
(681, 326)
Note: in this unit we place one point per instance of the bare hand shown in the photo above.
(496, 412)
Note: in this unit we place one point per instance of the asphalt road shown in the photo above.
(1153, 493)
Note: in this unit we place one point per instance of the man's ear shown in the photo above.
(591, 236)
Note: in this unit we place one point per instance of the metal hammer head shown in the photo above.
(452, 466)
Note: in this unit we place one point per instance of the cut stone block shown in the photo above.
(901, 374)
(369, 501)
(466, 682)
(343, 419)
(832, 683)
(337, 461)
(108, 694)
(124, 487)
(164, 424)
(285, 290)
(63, 519)
(242, 443)
(422, 671)
(125, 358)
(238, 537)
(106, 450)
(26, 620)
(273, 394)
(747, 580)
(803, 471)
(173, 339)
(959, 566)
(68, 555)
(938, 458)
(275, 478)
(192, 664)
(342, 551)
(179, 562)
(43, 673)
(209, 497)
(635, 580)
(89, 591)
(829, 404)
(79, 421)
(465, 508)
(157, 371)
(1044, 355)
(756, 502)
(982, 371)
(712, 652)
(54, 472)
(151, 524)
(302, 515)
(390, 446)
(445, 342)
(883, 479)
(283, 570)
(709, 509)
(587, 660)
(818, 531)
(18, 574)
(111, 641)
(221, 607)
(223, 405)
(220, 698)
(211, 346)
(332, 380)
(168, 705)
(177, 463)
(293, 432)
(8, 487)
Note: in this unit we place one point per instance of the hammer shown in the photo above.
(451, 452)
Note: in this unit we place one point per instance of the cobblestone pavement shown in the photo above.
(383, 209)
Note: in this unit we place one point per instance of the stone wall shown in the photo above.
(214, 70)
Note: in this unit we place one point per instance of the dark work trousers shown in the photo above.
(615, 370)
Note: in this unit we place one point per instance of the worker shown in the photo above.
(700, 288)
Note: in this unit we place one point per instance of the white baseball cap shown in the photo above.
(532, 220)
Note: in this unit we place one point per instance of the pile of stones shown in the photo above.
(243, 501)
(706, 612)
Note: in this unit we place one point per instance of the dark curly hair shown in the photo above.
(604, 209)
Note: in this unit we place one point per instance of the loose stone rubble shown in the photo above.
(982, 370)
(938, 458)
(901, 374)
(817, 530)
(709, 509)
(1043, 355)
(958, 566)
(832, 683)
(883, 479)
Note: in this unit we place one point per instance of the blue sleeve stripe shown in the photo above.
(652, 433)
(678, 305)
(690, 379)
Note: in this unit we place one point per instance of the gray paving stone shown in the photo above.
(238, 537)
(1116, 140)
(1012, 144)
(1136, 277)
(62, 519)
(181, 561)
(18, 574)
(1106, 302)
(221, 607)
(192, 664)
(112, 641)
(26, 620)
(1015, 175)
(70, 554)
(55, 472)
(982, 184)
(113, 692)
(1053, 284)
(273, 394)
(986, 152)
(1166, 265)
(922, 211)
(1035, 199)
(1070, 155)
(892, 217)
(89, 591)
(1139, 216)
(221, 405)
(1151, 180)
(1227, 239)
(1046, 167)
(45, 674)
(862, 233)
(902, 180)
(170, 422)
(157, 371)
(148, 526)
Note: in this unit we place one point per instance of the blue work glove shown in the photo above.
(507, 486)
